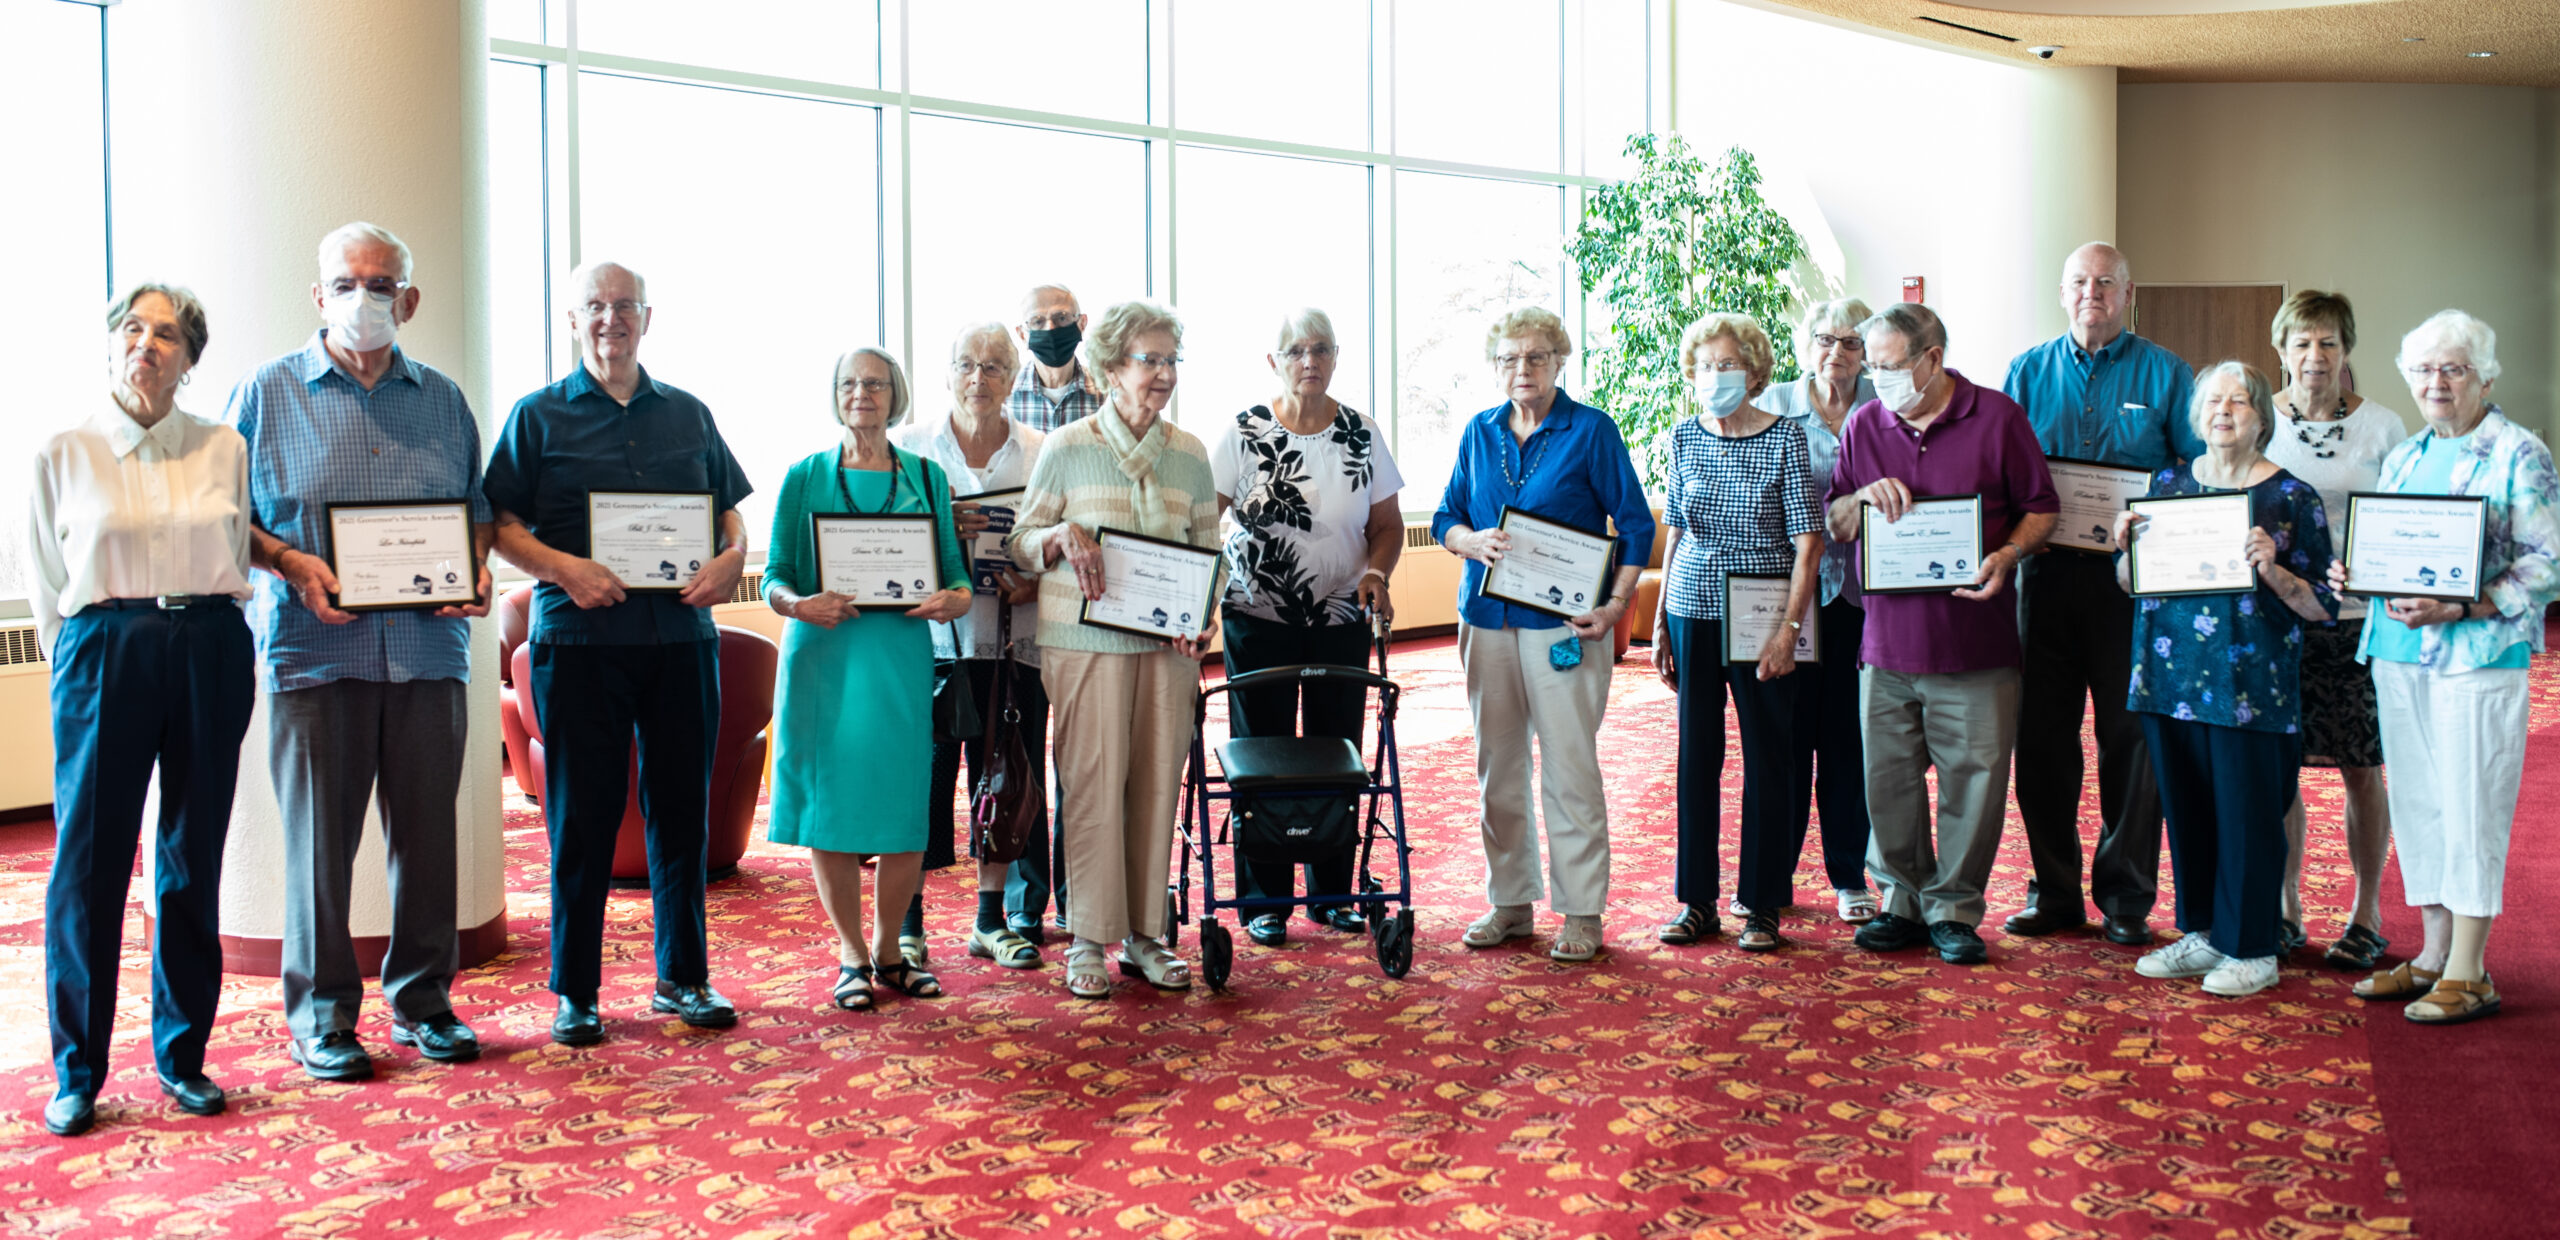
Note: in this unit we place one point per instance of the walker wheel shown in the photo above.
(1395, 943)
(1217, 954)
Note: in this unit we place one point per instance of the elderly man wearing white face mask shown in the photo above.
(370, 701)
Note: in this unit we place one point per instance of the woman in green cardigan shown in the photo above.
(854, 704)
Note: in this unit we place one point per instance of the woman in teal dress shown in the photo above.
(854, 707)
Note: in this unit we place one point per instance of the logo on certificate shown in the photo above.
(2426, 576)
(1158, 616)
(1555, 596)
(1937, 570)
(424, 586)
(666, 572)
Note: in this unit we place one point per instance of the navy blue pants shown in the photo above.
(590, 700)
(1831, 750)
(134, 687)
(1767, 712)
(1330, 710)
(2225, 791)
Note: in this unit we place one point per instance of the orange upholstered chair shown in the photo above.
(747, 665)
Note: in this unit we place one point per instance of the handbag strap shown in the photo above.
(1000, 693)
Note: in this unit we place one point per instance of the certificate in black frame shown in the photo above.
(470, 554)
(2248, 579)
(1554, 603)
(2473, 569)
(676, 583)
(1960, 577)
(919, 588)
(2063, 534)
(1107, 535)
(1810, 635)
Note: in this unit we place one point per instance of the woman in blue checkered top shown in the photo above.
(1740, 503)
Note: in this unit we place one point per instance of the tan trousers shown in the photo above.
(1124, 731)
(1965, 724)
(1515, 697)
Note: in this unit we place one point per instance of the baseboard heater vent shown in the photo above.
(1417, 537)
(18, 645)
(750, 588)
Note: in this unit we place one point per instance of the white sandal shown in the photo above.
(1577, 942)
(1086, 976)
(1857, 905)
(1141, 956)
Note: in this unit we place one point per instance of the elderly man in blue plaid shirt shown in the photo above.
(370, 702)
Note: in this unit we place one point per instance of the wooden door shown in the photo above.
(2209, 323)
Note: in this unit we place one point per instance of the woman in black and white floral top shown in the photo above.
(1314, 529)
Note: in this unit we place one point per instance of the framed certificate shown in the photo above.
(2092, 495)
(986, 549)
(1756, 604)
(400, 555)
(879, 560)
(652, 540)
(2192, 544)
(1936, 546)
(1562, 570)
(2416, 546)
(1153, 587)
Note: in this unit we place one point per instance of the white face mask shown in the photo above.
(1896, 390)
(1724, 392)
(360, 321)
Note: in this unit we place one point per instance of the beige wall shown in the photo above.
(2408, 199)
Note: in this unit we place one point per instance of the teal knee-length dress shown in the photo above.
(853, 714)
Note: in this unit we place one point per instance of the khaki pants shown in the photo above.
(1965, 724)
(1516, 696)
(1124, 730)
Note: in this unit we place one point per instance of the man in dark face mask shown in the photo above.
(1052, 389)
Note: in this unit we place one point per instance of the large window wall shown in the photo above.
(795, 177)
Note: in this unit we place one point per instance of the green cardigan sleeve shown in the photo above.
(789, 562)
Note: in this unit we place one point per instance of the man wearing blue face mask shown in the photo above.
(360, 704)
(2096, 393)
(1051, 390)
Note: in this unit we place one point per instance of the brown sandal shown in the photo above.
(2453, 1002)
(2398, 984)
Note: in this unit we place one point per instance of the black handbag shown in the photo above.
(1007, 802)
(955, 710)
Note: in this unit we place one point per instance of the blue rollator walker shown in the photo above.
(1297, 799)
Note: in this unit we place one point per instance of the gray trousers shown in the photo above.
(332, 747)
(1965, 724)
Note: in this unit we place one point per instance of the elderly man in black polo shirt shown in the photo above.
(608, 660)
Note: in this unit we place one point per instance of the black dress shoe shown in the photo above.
(443, 1038)
(1344, 918)
(196, 1095)
(2130, 931)
(333, 1056)
(69, 1115)
(577, 1023)
(1957, 943)
(2036, 923)
(697, 1005)
(1268, 929)
(1889, 933)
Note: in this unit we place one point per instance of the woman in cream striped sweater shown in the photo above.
(1123, 702)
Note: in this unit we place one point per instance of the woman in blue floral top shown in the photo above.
(2449, 676)
(2216, 683)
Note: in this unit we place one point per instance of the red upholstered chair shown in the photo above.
(515, 618)
(747, 665)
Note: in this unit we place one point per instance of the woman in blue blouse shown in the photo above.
(2217, 685)
(1741, 502)
(1536, 672)
(2449, 676)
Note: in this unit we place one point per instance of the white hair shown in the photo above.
(1308, 323)
(334, 246)
(584, 278)
(2453, 328)
(1845, 312)
(989, 330)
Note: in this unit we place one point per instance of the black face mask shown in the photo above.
(1055, 346)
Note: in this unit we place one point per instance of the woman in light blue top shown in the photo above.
(1830, 759)
(853, 703)
(2449, 676)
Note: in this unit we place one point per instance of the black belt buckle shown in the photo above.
(175, 602)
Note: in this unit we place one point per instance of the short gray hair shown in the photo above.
(1918, 325)
(1121, 325)
(1032, 298)
(989, 330)
(182, 302)
(2262, 398)
(585, 276)
(899, 398)
(2477, 340)
(1845, 312)
(1529, 321)
(334, 246)
(1306, 323)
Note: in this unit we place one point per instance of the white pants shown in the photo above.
(1516, 696)
(2454, 744)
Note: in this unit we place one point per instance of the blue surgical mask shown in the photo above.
(361, 321)
(1725, 392)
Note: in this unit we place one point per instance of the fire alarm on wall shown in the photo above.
(1915, 288)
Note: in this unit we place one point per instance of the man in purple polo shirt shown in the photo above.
(1938, 672)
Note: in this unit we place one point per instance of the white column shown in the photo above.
(243, 130)
(2071, 156)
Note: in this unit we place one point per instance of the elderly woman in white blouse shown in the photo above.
(140, 535)
(1831, 760)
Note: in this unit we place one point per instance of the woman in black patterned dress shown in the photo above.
(1315, 529)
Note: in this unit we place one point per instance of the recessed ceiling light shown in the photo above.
(2480, 55)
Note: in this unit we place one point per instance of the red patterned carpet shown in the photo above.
(1663, 1092)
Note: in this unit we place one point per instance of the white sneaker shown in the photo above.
(2191, 956)
(1501, 924)
(2235, 977)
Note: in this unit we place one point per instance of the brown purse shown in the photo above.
(1007, 802)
